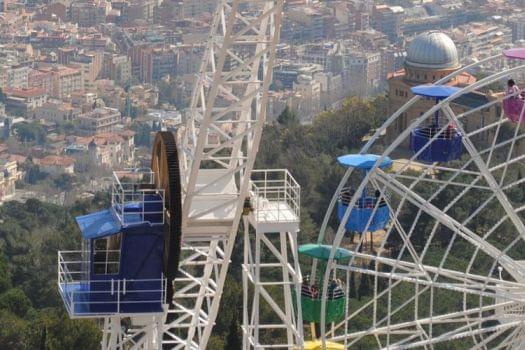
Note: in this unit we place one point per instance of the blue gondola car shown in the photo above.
(370, 212)
(119, 269)
(438, 141)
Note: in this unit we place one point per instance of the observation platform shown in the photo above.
(275, 199)
(213, 207)
(135, 200)
(87, 297)
(119, 270)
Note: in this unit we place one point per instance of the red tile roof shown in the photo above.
(56, 161)
(25, 93)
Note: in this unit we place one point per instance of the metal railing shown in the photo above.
(275, 196)
(368, 201)
(135, 198)
(85, 297)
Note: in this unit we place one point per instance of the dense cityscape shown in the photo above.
(87, 87)
(85, 83)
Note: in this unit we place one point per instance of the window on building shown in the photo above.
(106, 255)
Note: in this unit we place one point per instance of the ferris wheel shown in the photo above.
(429, 251)
(153, 265)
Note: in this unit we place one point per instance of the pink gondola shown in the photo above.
(513, 108)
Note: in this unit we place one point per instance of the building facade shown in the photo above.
(430, 57)
(99, 120)
(9, 174)
(89, 14)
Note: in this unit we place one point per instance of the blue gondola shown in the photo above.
(360, 218)
(120, 268)
(447, 145)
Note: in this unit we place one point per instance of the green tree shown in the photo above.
(364, 286)
(13, 331)
(234, 338)
(30, 132)
(64, 182)
(287, 117)
(5, 274)
(15, 301)
(3, 97)
(63, 333)
(33, 173)
(352, 293)
(142, 134)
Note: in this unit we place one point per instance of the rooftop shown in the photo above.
(432, 50)
(24, 92)
(56, 161)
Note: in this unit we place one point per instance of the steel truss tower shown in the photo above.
(271, 271)
(219, 144)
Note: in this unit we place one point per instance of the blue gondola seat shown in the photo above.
(445, 147)
(365, 216)
(360, 216)
(428, 142)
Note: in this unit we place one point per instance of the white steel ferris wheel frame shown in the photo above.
(217, 149)
(507, 294)
(218, 146)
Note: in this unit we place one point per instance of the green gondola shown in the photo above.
(311, 298)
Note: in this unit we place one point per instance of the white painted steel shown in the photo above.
(271, 273)
(443, 257)
(218, 146)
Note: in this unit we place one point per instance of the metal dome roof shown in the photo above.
(432, 50)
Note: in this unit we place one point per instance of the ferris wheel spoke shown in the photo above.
(392, 184)
(486, 172)
(419, 333)
(479, 289)
(458, 333)
(469, 316)
(413, 272)
(509, 340)
(483, 344)
(458, 317)
(438, 181)
(514, 342)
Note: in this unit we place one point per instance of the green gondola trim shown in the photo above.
(311, 309)
(322, 251)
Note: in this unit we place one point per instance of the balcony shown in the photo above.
(135, 198)
(99, 296)
(275, 197)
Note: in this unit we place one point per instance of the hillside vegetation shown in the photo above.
(31, 313)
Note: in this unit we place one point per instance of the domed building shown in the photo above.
(430, 57)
